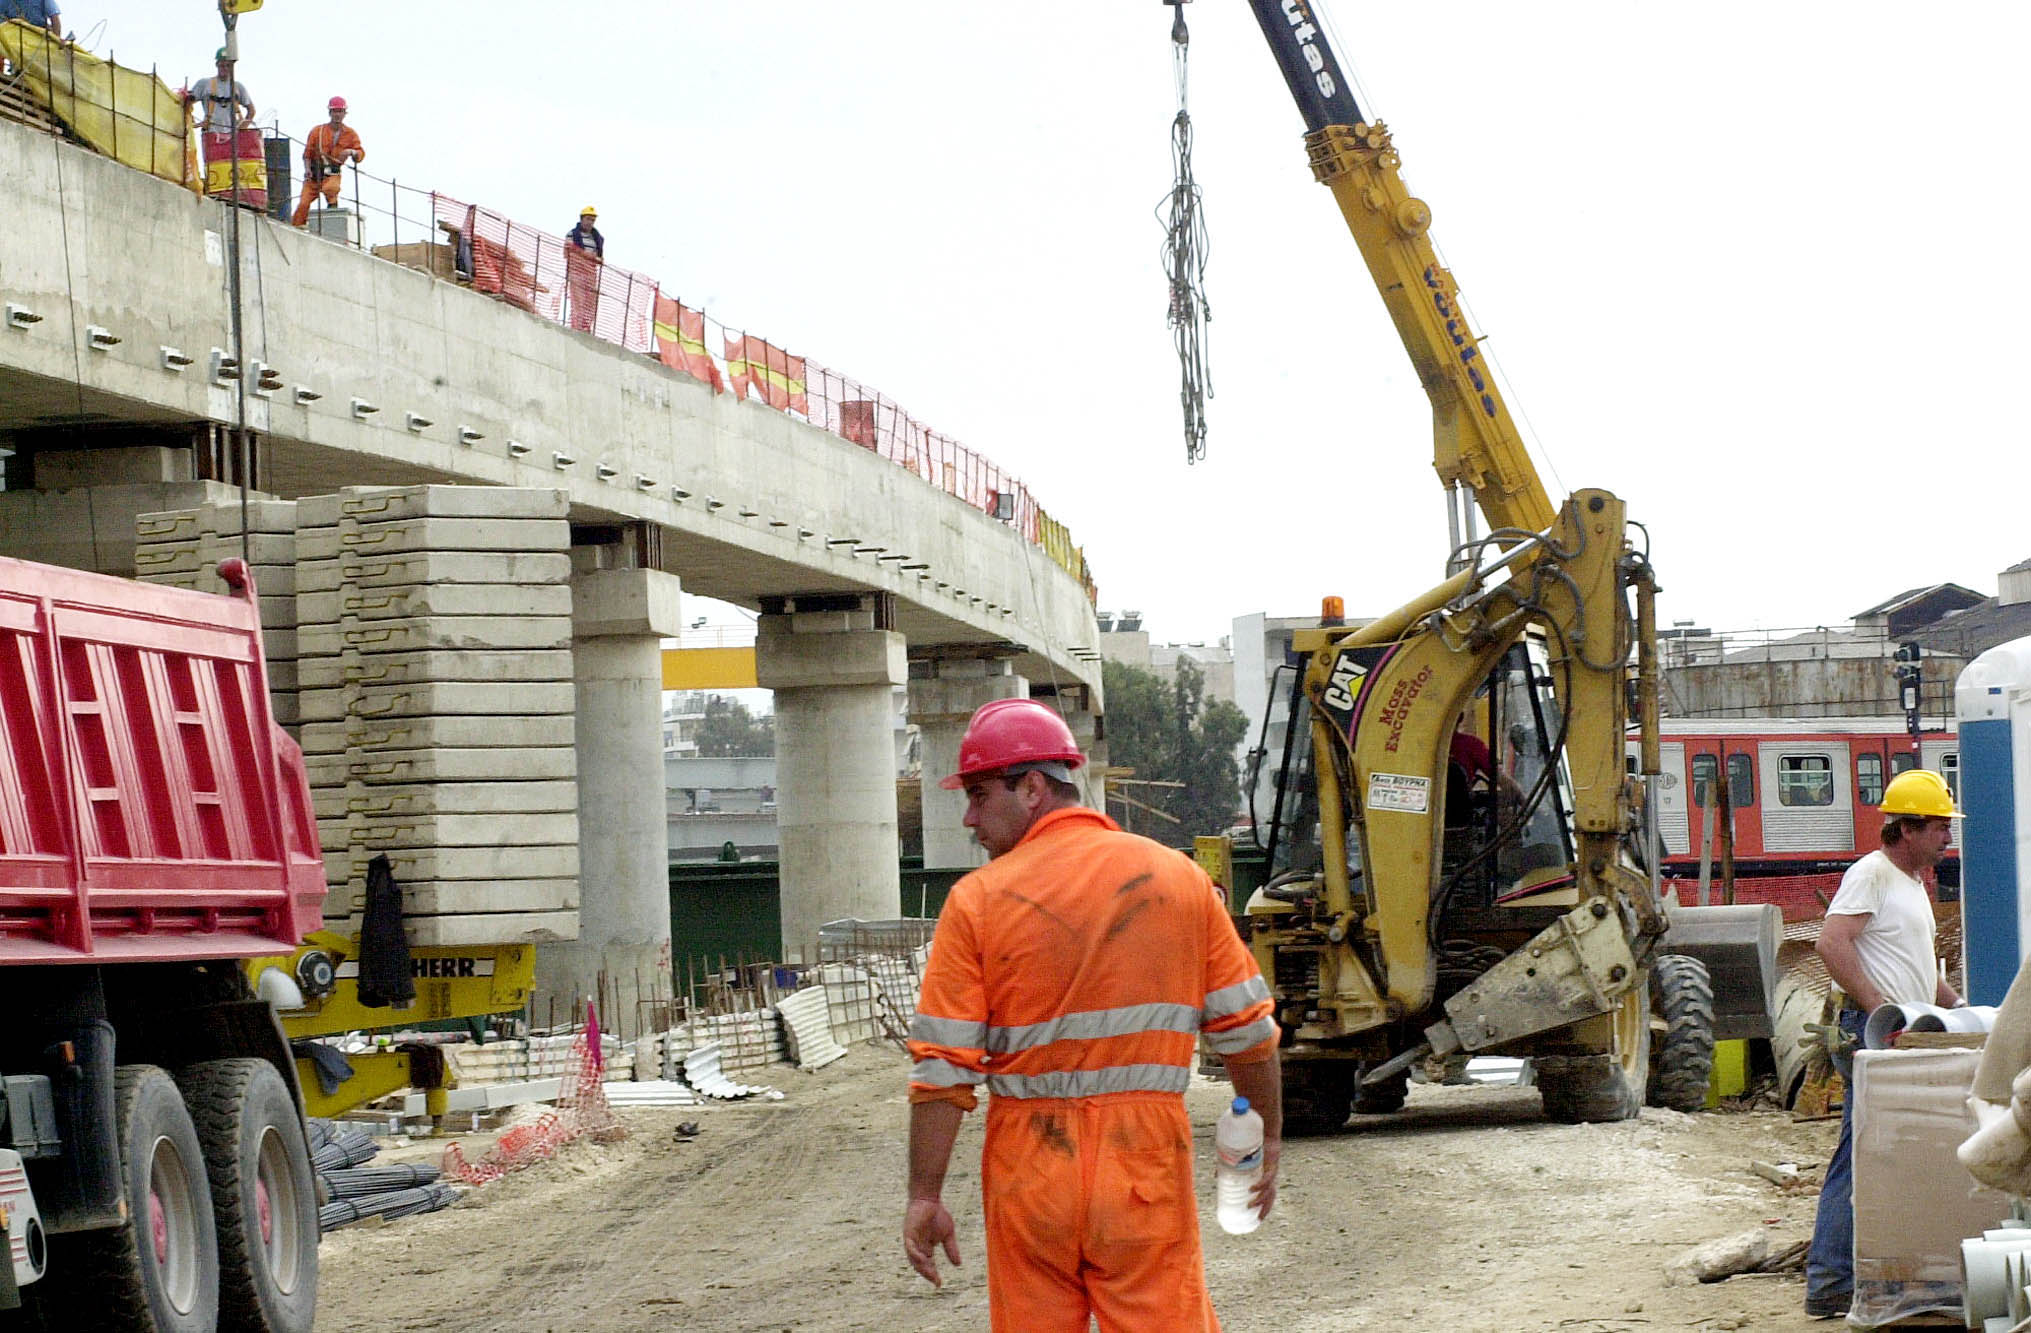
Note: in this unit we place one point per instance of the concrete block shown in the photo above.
(377, 768)
(441, 798)
(156, 562)
(626, 602)
(788, 660)
(439, 698)
(278, 645)
(434, 534)
(517, 634)
(264, 514)
(458, 896)
(431, 733)
(383, 504)
(417, 832)
(434, 567)
(410, 668)
(451, 599)
(284, 709)
(491, 928)
(426, 864)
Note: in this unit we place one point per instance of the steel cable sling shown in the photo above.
(1185, 257)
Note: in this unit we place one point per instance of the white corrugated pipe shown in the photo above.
(1999, 1153)
(1991, 1264)
(1890, 1019)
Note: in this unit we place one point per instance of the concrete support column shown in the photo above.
(940, 705)
(1080, 714)
(834, 675)
(619, 619)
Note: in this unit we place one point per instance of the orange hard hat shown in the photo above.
(1008, 732)
(336, 104)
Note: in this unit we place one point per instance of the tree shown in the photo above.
(729, 731)
(1167, 731)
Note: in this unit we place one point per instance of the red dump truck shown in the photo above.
(155, 831)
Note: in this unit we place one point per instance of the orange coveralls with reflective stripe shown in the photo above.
(324, 153)
(1072, 976)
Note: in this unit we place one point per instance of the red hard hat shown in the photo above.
(1009, 732)
(336, 104)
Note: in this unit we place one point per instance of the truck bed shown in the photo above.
(150, 808)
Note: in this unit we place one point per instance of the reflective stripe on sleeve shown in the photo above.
(943, 1074)
(1093, 1024)
(1243, 1037)
(948, 1031)
(1233, 999)
(1092, 1082)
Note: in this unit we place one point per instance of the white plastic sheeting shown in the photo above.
(650, 1092)
(702, 1071)
(807, 1025)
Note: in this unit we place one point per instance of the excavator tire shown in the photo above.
(1381, 1098)
(1317, 1096)
(1682, 1036)
(1579, 1089)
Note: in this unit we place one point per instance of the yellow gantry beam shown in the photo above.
(709, 669)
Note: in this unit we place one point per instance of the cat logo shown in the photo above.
(1340, 689)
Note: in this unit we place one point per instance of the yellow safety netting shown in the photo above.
(124, 113)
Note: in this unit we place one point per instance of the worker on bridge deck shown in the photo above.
(1072, 976)
(40, 13)
(326, 150)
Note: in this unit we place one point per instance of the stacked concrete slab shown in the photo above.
(183, 547)
(437, 705)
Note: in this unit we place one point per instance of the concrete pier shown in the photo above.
(941, 705)
(619, 618)
(834, 673)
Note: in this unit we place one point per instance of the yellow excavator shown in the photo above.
(1459, 862)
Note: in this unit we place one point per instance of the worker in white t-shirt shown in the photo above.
(1877, 944)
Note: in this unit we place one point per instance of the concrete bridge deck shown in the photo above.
(115, 287)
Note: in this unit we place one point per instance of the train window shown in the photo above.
(1741, 782)
(1869, 779)
(1902, 762)
(1805, 779)
(1705, 768)
(1949, 768)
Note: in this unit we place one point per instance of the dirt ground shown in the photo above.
(1464, 1211)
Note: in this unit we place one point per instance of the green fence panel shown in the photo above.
(735, 908)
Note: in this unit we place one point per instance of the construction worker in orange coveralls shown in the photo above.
(325, 153)
(1072, 975)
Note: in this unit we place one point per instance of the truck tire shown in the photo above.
(264, 1196)
(1384, 1097)
(1583, 1089)
(159, 1272)
(1318, 1095)
(1682, 1039)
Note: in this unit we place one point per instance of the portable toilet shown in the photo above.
(1992, 702)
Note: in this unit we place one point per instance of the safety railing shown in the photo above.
(546, 275)
(125, 113)
(543, 273)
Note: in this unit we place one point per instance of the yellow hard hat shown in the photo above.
(1918, 791)
(588, 212)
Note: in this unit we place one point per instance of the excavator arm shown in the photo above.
(1475, 444)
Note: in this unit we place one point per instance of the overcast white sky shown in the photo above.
(1755, 267)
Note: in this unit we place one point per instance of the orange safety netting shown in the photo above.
(583, 1113)
(547, 276)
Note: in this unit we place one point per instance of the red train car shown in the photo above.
(1803, 792)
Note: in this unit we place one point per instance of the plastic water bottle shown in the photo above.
(1238, 1141)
